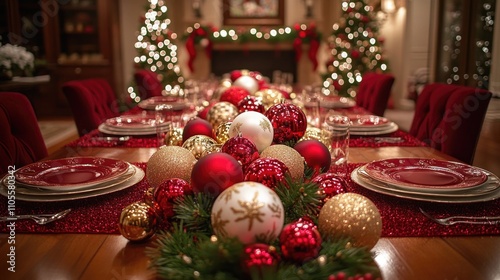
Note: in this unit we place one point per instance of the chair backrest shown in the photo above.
(449, 118)
(92, 101)
(21, 141)
(147, 83)
(374, 91)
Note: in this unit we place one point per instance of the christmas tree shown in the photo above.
(355, 49)
(155, 48)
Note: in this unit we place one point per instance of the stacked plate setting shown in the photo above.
(428, 180)
(371, 125)
(72, 178)
(141, 124)
(173, 102)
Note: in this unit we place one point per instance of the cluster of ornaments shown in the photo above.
(246, 142)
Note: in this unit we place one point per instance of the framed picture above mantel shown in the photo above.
(253, 12)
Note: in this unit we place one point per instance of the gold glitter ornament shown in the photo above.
(351, 215)
(199, 145)
(221, 112)
(269, 97)
(222, 133)
(137, 221)
(174, 137)
(314, 133)
(289, 156)
(249, 211)
(169, 162)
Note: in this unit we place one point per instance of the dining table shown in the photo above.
(87, 244)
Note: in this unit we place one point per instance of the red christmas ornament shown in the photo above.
(267, 171)
(242, 149)
(234, 95)
(197, 126)
(330, 185)
(165, 194)
(289, 123)
(251, 103)
(215, 172)
(260, 259)
(203, 113)
(300, 241)
(235, 74)
(316, 155)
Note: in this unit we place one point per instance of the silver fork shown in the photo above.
(40, 219)
(485, 220)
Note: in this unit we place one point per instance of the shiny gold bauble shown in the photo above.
(137, 221)
(200, 145)
(221, 112)
(174, 137)
(222, 133)
(353, 216)
(269, 97)
(314, 133)
(169, 162)
(289, 156)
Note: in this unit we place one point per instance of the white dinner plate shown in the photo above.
(429, 197)
(392, 127)
(106, 130)
(136, 178)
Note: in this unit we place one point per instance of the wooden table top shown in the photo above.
(108, 256)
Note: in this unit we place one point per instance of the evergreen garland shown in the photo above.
(190, 251)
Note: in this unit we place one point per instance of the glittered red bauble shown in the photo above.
(242, 149)
(234, 95)
(330, 185)
(316, 155)
(260, 259)
(165, 194)
(235, 74)
(197, 126)
(300, 241)
(251, 103)
(215, 172)
(289, 123)
(267, 171)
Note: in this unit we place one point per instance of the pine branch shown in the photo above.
(299, 199)
(194, 212)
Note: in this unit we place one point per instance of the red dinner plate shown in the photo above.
(426, 174)
(71, 173)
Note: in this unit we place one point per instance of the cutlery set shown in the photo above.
(40, 219)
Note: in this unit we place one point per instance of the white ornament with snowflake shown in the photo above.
(249, 211)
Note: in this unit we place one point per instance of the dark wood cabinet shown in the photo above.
(71, 39)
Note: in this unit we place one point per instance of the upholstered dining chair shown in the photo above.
(21, 141)
(147, 83)
(374, 91)
(449, 118)
(92, 101)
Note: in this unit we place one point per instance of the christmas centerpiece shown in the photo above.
(250, 201)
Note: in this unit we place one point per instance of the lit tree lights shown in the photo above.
(355, 49)
(156, 50)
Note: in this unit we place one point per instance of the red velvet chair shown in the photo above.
(449, 118)
(21, 141)
(374, 92)
(92, 101)
(147, 83)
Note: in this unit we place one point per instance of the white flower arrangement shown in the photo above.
(15, 60)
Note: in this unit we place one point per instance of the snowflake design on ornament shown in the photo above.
(237, 128)
(218, 224)
(250, 210)
(228, 193)
(265, 125)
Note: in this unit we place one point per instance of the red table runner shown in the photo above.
(400, 217)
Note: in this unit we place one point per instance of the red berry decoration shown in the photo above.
(289, 123)
(234, 95)
(267, 171)
(330, 185)
(300, 241)
(260, 259)
(165, 194)
(215, 172)
(251, 103)
(316, 155)
(242, 149)
(197, 126)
